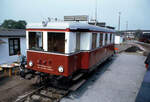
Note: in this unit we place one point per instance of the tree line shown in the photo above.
(12, 24)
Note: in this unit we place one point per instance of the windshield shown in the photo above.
(56, 42)
(36, 40)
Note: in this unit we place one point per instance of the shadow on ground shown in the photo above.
(95, 75)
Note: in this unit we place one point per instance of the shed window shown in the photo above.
(14, 46)
(94, 40)
(56, 42)
(36, 40)
(101, 39)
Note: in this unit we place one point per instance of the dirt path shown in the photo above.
(11, 88)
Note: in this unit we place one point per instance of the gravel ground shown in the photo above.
(12, 87)
(117, 81)
(122, 47)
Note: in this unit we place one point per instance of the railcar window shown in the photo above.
(56, 42)
(101, 39)
(36, 40)
(77, 41)
(113, 38)
(110, 37)
(106, 38)
(94, 40)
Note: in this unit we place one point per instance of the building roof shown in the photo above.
(70, 25)
(12, 33)
(135, 30)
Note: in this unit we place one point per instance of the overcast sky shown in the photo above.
(136, 12)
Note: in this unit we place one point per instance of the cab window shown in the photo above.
(36, 40)
(56, 42)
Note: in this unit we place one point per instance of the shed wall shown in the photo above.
(4, 50)
(118, 40)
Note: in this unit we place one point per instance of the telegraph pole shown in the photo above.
(119, 21)
(95, 12)
(126, 28)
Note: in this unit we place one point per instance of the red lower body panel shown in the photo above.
(49, 62)
(88, 59)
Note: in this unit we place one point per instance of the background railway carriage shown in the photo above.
(62, 48)
(145, 37)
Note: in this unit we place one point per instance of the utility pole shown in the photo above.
(96, 12)
(126, 28)
(119, 21)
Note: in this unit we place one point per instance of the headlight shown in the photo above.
(30, 63)
(60, 69)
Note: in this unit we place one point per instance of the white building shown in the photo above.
(118, 39)
(10, 42)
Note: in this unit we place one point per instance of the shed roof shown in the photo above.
(70, 25)
(12, 33)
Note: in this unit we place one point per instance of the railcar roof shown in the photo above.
(70, 25)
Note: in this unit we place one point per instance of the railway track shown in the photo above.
(43, 94)
(47, 93)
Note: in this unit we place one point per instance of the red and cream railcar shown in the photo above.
(62, 48)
